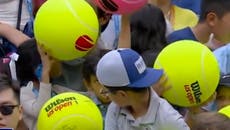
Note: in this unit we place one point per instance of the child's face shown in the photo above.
(222, 29)
(223, 97)
(10, 120)
(96, 87)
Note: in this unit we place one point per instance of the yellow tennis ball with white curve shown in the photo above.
(192, 71)
(70, 111)
(225, 111)
(68, 29)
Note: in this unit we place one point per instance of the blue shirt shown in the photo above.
(222, 55)
(182, 34)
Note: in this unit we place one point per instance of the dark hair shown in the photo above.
(100, 14)
(104, 15)
(225, 125)
(36, 5)
(148, 29)
(90, 63)
(208, 120)
(219, 7)
(28, 61)
(149, 57)
(7, 83)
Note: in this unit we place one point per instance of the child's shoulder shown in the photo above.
(161, 104)
(113, 109)
(113, 106)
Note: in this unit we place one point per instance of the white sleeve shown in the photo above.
(32, 104)
(111, 117)
(176, 122)
(173, 120)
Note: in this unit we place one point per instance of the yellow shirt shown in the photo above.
(182, 18)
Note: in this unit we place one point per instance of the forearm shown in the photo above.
(43, 96)
(45, 76)
(31, 102)
(13, 35)
(125, 35)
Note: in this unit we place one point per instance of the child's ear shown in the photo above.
(20, 109)
(87, 85)
(122, 93)
(211, 19)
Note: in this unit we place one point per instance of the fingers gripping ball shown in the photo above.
(67, 28)
(69, 111)
(192, 72)
(225, 111)
(120, 6)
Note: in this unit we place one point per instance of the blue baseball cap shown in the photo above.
(125, 67)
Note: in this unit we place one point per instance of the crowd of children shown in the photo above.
(118, 74)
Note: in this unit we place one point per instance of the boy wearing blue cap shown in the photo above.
(135, 106)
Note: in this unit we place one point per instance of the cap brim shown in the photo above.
(150, 77)
(225, 80)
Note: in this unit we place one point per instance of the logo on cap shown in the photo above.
(140, 65)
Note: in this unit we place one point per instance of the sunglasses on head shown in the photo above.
(7, 109)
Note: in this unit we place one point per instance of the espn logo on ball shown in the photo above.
(84, 43)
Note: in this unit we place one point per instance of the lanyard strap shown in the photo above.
(117, 30)
(19, 14)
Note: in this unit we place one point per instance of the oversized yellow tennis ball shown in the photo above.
(70, 111)
(192, 71)
(225, 111)
(68, 29)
